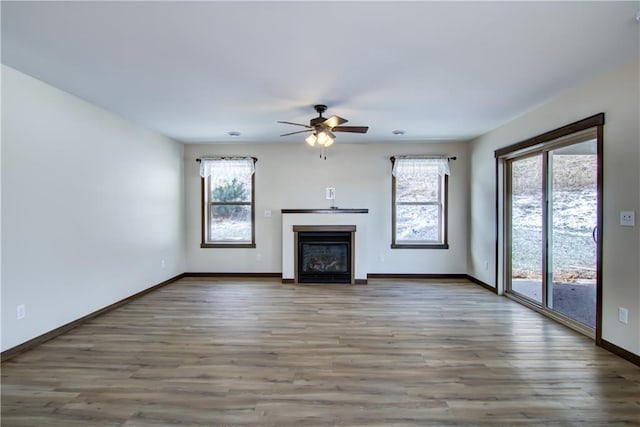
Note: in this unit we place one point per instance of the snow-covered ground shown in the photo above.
(417, 223)
(574, 250)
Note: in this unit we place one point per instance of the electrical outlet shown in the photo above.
(627, 218)
(623, 315)
(381, 257)
(21, 312)
(267, 213)
(163, 264)
(258, 257)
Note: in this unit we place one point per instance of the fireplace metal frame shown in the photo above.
(324, 228)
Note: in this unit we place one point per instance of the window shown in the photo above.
(228, 202)
(419, 207)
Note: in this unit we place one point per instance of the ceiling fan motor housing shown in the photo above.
(318, 120)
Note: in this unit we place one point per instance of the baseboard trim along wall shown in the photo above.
(34, 342)
(619, 351)
(194, 274)
(415, 276)
(483, 284)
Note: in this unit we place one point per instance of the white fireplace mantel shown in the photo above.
(357, 217)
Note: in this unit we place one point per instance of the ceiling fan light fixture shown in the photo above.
(311, 139)
(325, 139)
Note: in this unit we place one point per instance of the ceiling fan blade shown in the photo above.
(295, 124)
(334, 121)
(293, 133)
(352, 129)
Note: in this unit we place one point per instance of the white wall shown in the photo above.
(616, 94)
(91, 204)
(291, 175)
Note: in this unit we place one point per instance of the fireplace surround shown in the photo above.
(330, 219)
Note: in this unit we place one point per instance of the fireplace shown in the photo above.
(324, 254)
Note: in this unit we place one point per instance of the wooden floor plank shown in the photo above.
(257, 352)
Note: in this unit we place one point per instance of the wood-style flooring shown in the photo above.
(257, 352)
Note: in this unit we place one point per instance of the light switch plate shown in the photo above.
(627, 218)
(330, 193)
(623, 315)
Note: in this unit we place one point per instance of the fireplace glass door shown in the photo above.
(324, 257)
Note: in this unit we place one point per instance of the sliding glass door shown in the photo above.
(551, 217)
(572, 220)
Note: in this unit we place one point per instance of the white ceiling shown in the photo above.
(439, 70)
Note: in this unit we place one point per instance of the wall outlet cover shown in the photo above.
(627, 218)
(21, 312)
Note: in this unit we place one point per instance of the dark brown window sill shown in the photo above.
(227, 245)
(419, 246)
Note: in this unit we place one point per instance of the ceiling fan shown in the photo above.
(322, 128)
